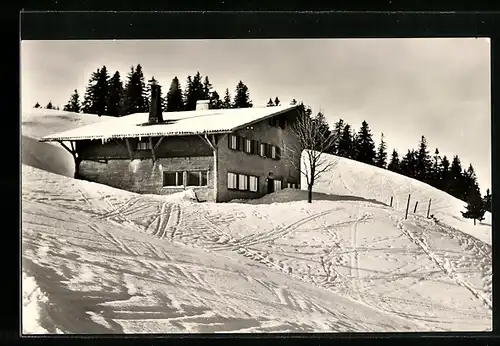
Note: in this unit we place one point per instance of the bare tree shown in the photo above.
(313, 139)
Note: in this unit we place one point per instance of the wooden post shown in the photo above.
(429, 208)
(391, 200)
(415, 209)
(129, 149)
(407, 206)
(152, 149)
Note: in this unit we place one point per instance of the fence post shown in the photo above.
(407, 206)
(391, 201)
(429, 208)
(415, 209)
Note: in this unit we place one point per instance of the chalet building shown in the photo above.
(222, 154)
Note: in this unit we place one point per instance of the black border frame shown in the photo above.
(137, 25)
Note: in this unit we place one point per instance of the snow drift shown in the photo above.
(351, 177)
(51, 157)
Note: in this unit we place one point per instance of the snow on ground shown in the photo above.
(109, 261)
(52, 157)
(350, 177)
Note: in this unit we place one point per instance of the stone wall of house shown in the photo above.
(229, 160)
(146, 177)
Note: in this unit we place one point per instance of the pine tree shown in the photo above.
(37, 105)
(207, 89)
(346, 145)
(444, 175)
(469, 181)
(424, 163)
(487, 201)
(364, 145)
(277, 101)
(338, 128)
(227, 103)
(242, 96)
(293, 102)
(435, 176)
(136, 100)
(215, 101)
(456, 186)
(174, 97)
(381, 156)
(475, 206)
(270, 103)
(97, 93)
(49, 105)
(116, 96)
(194, 91)
(408, 166)
(394, 163)
(320, 124)
(73, 104)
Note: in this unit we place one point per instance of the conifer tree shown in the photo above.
(394, 163)
(227, 103)
(136, 100)
(456, 186)
(270, 103)
(73, 104)
(116, 96)
(346, 145)
(381, 155)
(37, 105)
(293, 102)
(97, 93)
(320, 124)
(487, 201)
(444, 175)
(475, 206)
(207, 89)
(174, 97)
(435, 176)
(49, 105)
(408, 166)
(364, 145)
(89, 104)
(215, 101)
(277, 101)
(424, 163)
(338, 128)
(242, 96)
(194, 91)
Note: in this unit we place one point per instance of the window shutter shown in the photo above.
(229, 140)
(278, 153)
(241, 143)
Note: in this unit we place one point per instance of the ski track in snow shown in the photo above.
(332, 237)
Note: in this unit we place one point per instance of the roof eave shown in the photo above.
(116, 136)
(264, 118)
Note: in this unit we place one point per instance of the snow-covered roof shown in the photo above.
(207, 121)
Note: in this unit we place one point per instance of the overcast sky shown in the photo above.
(405, 88)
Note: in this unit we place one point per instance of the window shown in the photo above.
(143, 145)
(277, 185)
(248, 146)
(273, 152)
(262, 149)
(242, 182)
(173, 179)
(232, 181)
(254, 184)
(233, 142)
(289, 185)
(197, 178)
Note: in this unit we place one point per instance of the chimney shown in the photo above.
(155, 115)
(202, 105)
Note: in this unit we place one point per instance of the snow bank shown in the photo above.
(351, 177)
(51, 157)
(32, 297)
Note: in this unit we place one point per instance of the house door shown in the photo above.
(270, 185)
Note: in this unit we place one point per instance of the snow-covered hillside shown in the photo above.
(101, 260)
(350, 177)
